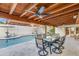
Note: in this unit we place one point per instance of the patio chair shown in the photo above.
(41, 45)
(58, 45)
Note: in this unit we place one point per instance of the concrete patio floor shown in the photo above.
(29, 49)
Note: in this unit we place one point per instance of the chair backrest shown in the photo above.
(57, 39)
(62, 40)
(39, 41)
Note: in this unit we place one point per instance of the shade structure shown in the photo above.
(58, 13)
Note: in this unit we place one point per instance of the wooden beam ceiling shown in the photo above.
(57, 12)
(63, 8)
(13, 8)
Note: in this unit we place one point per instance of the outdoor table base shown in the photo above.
(49, 45)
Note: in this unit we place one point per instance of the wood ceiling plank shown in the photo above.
(5, 7)
(64, 19)
(46, 5)
(20, 8)
(51, 7)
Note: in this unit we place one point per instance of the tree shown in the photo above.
(52, 31)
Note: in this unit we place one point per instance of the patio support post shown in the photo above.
(75, 31)
(45, 31)
(7, 30)
(69, 31)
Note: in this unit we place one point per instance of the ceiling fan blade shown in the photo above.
(47, 14)
(31, 16)
(41, 10)
(30, 11)
(40, 16)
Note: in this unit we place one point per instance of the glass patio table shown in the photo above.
(49, 40)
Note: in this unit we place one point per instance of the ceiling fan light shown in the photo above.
(40, 16)
(75, 16)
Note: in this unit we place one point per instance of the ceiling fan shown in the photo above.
(40, 13)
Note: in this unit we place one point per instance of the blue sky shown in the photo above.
(3, 20)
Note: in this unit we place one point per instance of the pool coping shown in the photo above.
(14, 37)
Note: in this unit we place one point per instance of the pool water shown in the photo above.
(9, 42)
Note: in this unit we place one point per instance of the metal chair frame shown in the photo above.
(42, 47)
(60, 46)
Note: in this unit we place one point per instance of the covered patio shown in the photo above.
(48, 19)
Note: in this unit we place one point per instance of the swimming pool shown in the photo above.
(9, 42)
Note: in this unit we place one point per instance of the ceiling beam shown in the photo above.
(22, 24)
(31, 16)
(51, 7)
(13, 8)
(16, 21)
(30, 8)
(17, 18)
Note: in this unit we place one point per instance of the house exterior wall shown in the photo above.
(16, 30)
(2, 32)
(60, 31)
(24, 30)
